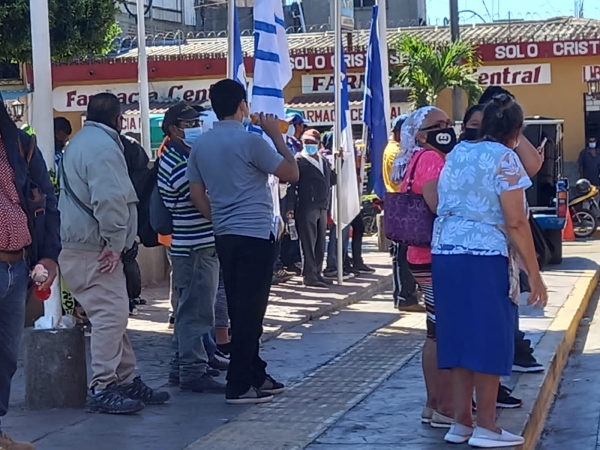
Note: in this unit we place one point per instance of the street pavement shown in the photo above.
(353, 373)
(574, 421)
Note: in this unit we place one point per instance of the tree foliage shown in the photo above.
(427, 70)
(78, 28)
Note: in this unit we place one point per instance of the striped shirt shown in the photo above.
(191, 231)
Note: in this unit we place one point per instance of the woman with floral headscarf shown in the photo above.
(427, 136)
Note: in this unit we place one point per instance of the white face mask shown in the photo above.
(190, 135)
(592, 145)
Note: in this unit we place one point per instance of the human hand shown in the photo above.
(538, 296)
(52, 268)
(269, 124)
(289, 214)
(108, 261)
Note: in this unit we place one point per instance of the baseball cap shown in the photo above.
(398, 121)
(296, 119)
(179, 113)
(311, 135)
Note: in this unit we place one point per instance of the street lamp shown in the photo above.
(17, 109)
(594, 88)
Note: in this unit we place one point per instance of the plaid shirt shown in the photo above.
(14, 230)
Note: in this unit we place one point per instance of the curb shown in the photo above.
(362, 294)
(538, 390)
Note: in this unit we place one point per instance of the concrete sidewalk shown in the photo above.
(291, 304)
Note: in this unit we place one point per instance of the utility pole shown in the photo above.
(230, 39)
(457, 105)
(144, 89)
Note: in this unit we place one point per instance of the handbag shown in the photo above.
(408, 219)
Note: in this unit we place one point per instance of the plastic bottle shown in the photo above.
(39, 275)
(292, 229)
(283, 125)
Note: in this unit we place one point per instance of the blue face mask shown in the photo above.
(311, 149)
(246, 122)
(190, 135)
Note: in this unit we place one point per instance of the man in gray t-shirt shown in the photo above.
(235, 165)
(228, 171)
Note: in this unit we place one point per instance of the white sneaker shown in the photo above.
(426, 415)
(440, 421)
(458, 434)
(484, 438)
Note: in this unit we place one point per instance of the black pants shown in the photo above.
(358, 232)
(405, 286)
(247, 265)
(312, 230)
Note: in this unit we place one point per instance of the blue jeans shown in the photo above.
(195, 278)
(332, 247)
(14, 279)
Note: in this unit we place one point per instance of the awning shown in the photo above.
(13, 95)
(158, 108)
(326, 99)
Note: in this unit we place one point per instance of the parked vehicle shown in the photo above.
(584, 209)
(548, 197)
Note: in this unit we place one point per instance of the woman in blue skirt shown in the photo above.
(481, 232)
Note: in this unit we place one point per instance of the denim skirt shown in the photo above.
(475, 316)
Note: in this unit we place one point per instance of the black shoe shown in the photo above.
(111, 401)
(505, 400)
(526, 363)
(138, 390)
(171, 325)
(325, 280)
(352, 270)
(363, 268)
(315, 283)
(271, 386)
(174, 376)
(218, 363)
(205, 383)
(224, 349)
(139, 301)
(250, 397)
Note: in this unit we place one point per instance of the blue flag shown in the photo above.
(239, 70)
(374, 106)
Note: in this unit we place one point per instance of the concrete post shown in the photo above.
(55, 368)
(383, 243)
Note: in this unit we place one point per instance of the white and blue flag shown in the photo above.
(349, 208)
(239, 70)
(272, 72)
(374, 110)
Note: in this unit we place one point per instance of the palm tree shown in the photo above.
(429, 69)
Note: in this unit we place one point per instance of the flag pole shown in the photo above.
(143, 78)
(230, 38)
(385, 60)
(337, 133)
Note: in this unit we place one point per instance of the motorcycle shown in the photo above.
(584, 209)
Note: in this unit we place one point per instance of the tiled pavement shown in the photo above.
(356, 381)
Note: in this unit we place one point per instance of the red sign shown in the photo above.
(534, 50)
(324, 61)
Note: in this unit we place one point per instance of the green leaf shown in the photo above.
(78, 28)
(429, 69)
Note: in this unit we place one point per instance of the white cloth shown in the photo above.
(408, 142)
(318, 162)
(272, 72)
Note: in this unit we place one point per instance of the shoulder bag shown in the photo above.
(407, 218)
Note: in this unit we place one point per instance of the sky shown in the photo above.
(437, 10)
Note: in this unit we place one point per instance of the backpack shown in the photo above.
(161, 220)
(143, 177)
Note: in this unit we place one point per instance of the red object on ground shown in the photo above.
(41, 294)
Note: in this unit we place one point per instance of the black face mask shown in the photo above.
(444, 140)
(471, 134)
